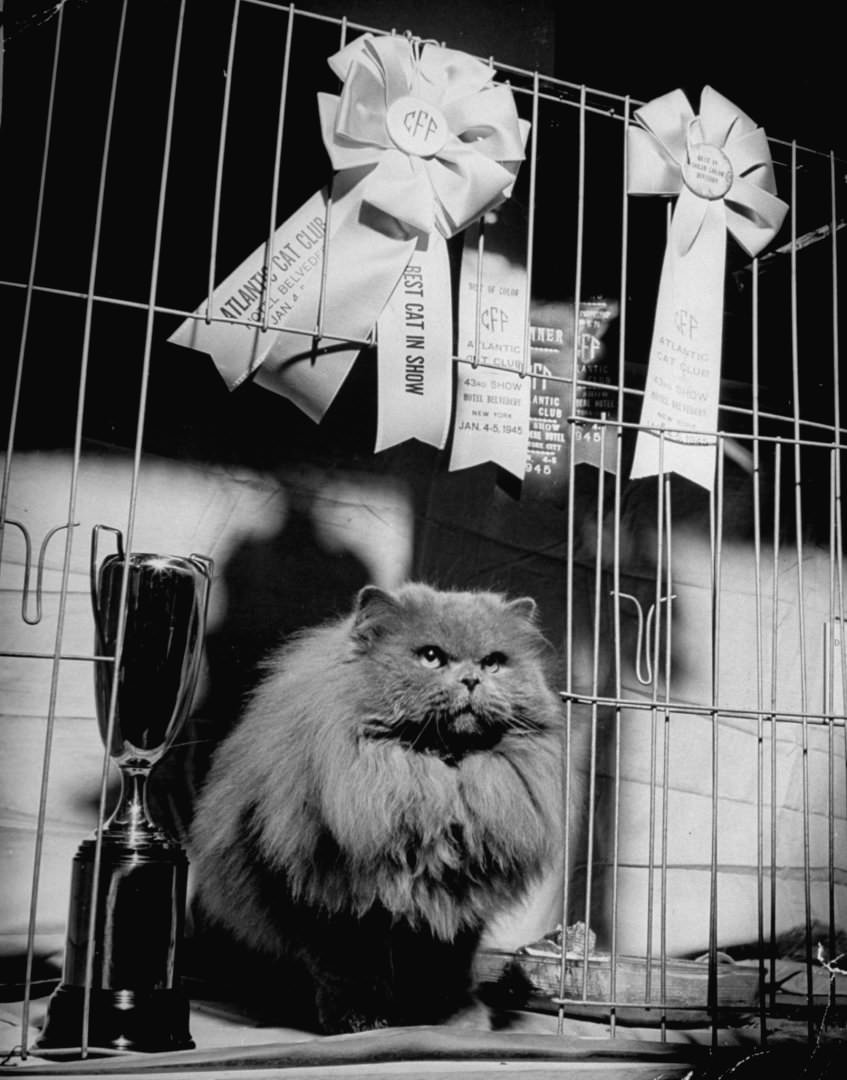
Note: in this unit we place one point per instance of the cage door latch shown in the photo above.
(33, 620)
(643, 635)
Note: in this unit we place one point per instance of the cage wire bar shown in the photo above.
(786, 438)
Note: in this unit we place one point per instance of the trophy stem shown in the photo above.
(130, 819)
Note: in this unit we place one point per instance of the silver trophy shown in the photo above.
(135, 1001)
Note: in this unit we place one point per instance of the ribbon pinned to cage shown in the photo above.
(719, 165)
(423, 143)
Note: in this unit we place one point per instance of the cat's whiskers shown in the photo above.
(523, 722)
(519, 724)
(428, 721)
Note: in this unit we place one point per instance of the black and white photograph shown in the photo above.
(422, 543)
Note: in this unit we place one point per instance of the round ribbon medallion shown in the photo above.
(416, 127)
(707, 172)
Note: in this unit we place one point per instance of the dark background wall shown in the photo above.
(785, 69)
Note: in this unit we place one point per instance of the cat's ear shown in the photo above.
(526, 608)
(375, 609)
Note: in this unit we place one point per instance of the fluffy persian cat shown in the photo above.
(394, 783)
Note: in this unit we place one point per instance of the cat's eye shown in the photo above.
(493, 662)
(432, 657)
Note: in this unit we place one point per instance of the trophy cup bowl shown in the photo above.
(134, 1000)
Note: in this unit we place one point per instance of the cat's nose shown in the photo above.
(471, 682)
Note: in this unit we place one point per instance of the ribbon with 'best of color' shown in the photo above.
(719, 165)
(423, 142)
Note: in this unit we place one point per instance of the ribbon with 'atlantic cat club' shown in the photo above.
(719, 165)
(423, 142)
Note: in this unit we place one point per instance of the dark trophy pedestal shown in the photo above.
(128, 956)
(135, 1001)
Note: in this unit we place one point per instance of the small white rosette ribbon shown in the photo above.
(444, 140)
(719, 165)
(423, 142)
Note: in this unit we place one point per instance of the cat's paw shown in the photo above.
(345, 1005)
(368, 1023)
(349, 1022)
(475, 1016)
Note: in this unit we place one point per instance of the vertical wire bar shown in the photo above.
(760, 645)
(580, 228)
(568, 698)
(829, 709)
(280, 125)
(480, 256)
(580, 238)
(219, 169)
(569, 575)
(136, 468)
(2, 54)
(319, 315)
(654, 718)
(836, 513)
(717, 501)
(648, 972)
(36, 244)
(777, 515)
(798, 530)
(530, 236)
(663, 926)
(839, 501)
(51, 711)
(616, 572)
(595, 690)
(72, 503)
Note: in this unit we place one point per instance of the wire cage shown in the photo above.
(700, 637)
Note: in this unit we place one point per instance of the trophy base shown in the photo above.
(145, 1020)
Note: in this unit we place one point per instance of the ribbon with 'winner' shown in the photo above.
(423, 142)
(719, 165)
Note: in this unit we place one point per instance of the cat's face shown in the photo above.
(450, 672)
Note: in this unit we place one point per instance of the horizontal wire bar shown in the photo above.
(821, 717)
(158, 309)
(713, 436)
(283, 7)
(669, 1005)
(21, 655)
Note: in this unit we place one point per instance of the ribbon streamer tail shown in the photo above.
(237, 348)
(363, 266)
(683, 374)
(492, 399)
(414, 361)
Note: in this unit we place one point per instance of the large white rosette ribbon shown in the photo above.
(719, 165)
(423, 142)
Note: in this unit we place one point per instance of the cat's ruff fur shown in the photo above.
(371, 797)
